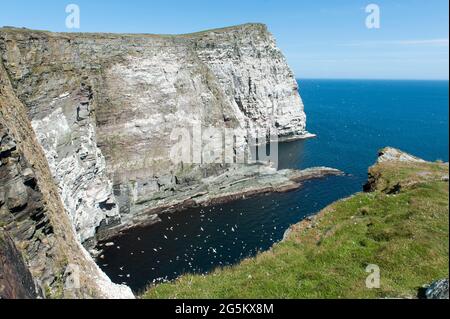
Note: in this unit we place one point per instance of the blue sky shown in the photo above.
(321, 39)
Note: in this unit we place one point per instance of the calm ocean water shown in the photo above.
(352, 118)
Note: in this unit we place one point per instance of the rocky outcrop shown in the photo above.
(390, 154)
(104, 108)
(436, 290)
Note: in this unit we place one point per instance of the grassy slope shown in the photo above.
(405, 234)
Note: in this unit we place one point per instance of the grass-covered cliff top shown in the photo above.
(256, 26)
(401, 226)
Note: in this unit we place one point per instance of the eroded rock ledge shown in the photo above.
(236, 183)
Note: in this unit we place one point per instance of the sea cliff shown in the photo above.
(104, 106)
(86, 125)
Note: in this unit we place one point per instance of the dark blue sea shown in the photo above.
(353, 119)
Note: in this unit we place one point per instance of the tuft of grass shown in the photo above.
(405, 234)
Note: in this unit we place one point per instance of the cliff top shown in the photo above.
(257, 26)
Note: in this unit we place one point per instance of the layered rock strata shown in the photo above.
(16, 281)
(33, 219)
(236, 183)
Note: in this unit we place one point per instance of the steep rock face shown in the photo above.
(33, 215)
(104, 108)
(22, 211)
(69, 141)
(16, 281)
(255, 79)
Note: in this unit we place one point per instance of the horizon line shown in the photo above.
(371, 79)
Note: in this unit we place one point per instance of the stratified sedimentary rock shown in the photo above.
(236, 183)
(37, 236)
(16, 281)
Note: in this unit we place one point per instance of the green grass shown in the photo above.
(405, 234)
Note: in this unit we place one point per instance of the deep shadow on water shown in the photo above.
(353, 119)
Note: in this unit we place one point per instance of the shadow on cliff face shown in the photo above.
(16, 281)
